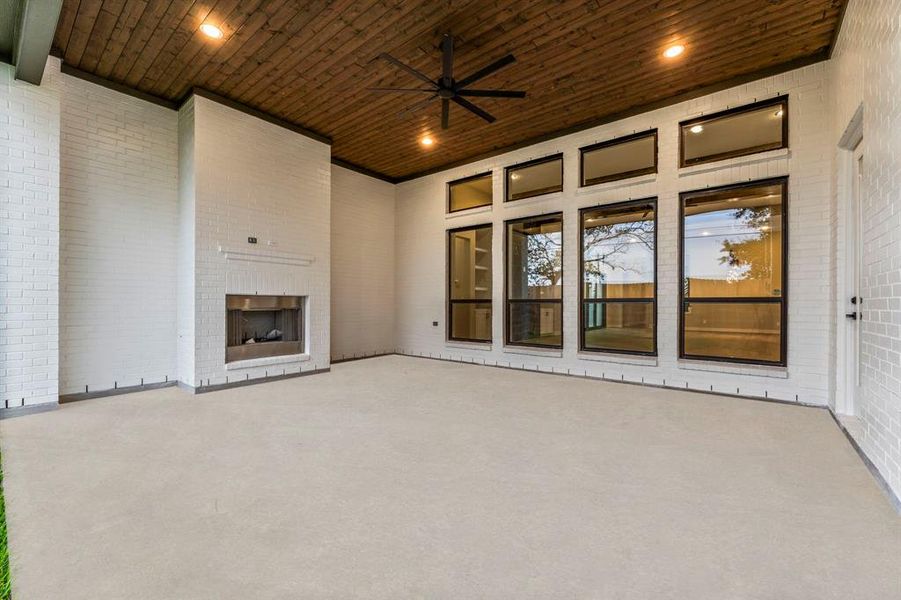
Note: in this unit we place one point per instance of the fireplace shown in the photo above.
(263, 326)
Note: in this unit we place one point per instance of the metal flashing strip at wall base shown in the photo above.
(345, 358)
(893, 499)
(66, 398)
(31, 409)
(568, 373)
(243, 382)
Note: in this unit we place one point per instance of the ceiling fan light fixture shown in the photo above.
(674, 51)
(211, 31)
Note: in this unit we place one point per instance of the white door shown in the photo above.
(853, 300)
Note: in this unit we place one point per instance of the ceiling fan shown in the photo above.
(449, 89)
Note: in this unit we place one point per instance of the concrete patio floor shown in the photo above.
(398, 478)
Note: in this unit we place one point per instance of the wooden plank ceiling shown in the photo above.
(309, 62)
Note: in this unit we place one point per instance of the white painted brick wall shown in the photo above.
(866, 69)
(118, 232)
(422, 222)
(185, 288)
(362, 265)
(253, 178)
(29, 238)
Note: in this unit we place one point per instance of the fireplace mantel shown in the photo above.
(266, 256)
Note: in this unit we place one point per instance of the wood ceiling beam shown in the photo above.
(35, 27)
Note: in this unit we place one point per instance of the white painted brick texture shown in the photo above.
(866, 70)
(185, 346)
(362, 265)
(422, 222)
(253, 178)
(119, 211)
(29, 238)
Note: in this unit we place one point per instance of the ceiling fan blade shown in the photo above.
(417, 74)
(473, 108)
(445, 113)
(492, 93)
(410, 90)
(416, 106)
(447, 60)
(484, 72)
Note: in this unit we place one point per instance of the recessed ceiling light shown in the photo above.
(426, 141)
(211, 30)
(674, 51)
(697, 129)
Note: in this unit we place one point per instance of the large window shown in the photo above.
(735, 132)
(534, 283)
(534, 178)
(620, 158)
(619, 283)
(469, 284)
(471, 192)
(733, 273)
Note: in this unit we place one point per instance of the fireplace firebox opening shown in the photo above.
(263, 326)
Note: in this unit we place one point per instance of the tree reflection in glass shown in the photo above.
(534, 281)
(618, 277)
(733, 273)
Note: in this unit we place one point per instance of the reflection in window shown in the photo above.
(620, 158)
(534, 257)
(733, 273)
(471, 192)
(737, 132)
(535, 178)
(469, 285)
(619, 277)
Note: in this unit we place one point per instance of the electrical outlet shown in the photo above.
(434, 323)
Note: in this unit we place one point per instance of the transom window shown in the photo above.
(534, 178)
(619, 283)
(621, 158)
(470, 192)
(735, 132)
(733, 273)
(469, 284)
(534, 286)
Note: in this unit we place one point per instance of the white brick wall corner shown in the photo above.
(362, 242)
(29, 238)
(864, 71)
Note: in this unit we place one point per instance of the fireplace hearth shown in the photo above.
(263, 326)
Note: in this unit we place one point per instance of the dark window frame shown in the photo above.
(507, 299)
(449, 336)
(450, 184)
(783, 298)
(532, 163)
(584, 301)
(615, 142)
(777, 101)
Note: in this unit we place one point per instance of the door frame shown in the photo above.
(847, 362)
